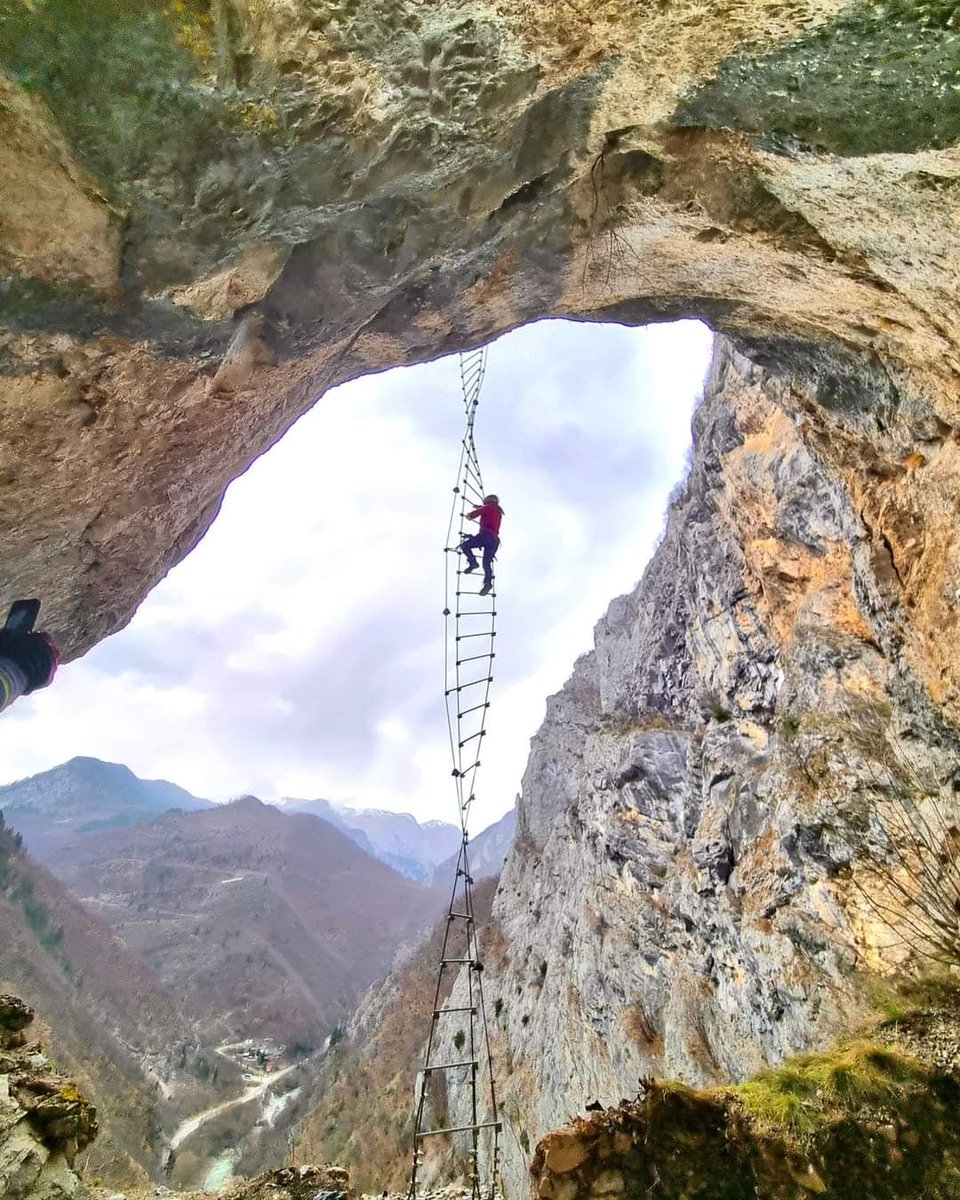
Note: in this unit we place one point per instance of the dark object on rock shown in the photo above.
(15, 1015)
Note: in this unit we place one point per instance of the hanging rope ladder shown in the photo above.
(469, 651)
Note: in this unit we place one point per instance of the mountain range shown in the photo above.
(85, 795)
(487, 850)
(165, 924)
(398, 839)
(265, 923)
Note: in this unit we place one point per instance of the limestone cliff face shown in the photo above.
(44, 1120)
(678, 901)
(212, 210)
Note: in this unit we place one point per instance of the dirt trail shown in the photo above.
(192, 1124)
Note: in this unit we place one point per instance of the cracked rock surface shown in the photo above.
(212, 212)
(44, 1120)
(704, 816)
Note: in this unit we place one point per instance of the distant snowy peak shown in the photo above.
(487, 851)
(398, 839)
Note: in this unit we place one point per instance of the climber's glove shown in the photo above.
(34, 653)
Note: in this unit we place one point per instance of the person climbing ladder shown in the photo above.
(469, 659)
(489, 514)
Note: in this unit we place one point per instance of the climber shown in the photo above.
(489, 514)
(28, 660)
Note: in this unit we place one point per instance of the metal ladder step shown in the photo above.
(497, 1125)
(467, 1062)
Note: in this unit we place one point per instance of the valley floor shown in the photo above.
(252, 1092)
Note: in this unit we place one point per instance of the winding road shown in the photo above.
(192, 1124)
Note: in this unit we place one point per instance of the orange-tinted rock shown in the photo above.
(564, 1152)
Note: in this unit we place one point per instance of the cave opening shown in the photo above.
(295, 651)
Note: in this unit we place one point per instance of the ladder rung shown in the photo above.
(476, 708)
(437, 1012)
(497, 1125)
(481, 612)
(462, 916)
(472, 683)
(475, 657)
(467, 1062)
(444, 961)
(482, 733)
(491, 633)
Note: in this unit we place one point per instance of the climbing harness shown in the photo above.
(458, 1046)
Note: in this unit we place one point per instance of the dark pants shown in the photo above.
(489, 543)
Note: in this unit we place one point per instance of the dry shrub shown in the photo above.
(639, 1028)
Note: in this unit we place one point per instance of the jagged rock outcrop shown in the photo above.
(687, 893)
(214, 211)
(893, 1139)
(305, 1182)
(44, 1120)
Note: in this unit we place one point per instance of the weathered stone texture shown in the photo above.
(677, 901)
(314, 189)
(44, 1120)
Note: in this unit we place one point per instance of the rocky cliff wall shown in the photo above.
(213, 210)
(686, 896)
(44, 1120)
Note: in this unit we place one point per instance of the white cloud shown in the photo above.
(298, 650)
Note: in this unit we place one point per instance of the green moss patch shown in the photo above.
(863, 1121)
(121, 76)
(910, 1000)
(879, 77)
(809, 1093)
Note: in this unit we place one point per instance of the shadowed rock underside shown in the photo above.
(215, 211)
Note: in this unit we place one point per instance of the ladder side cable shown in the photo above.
(467, 702)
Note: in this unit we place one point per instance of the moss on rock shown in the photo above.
(864, 1121)
(880, 77)
(120, 76)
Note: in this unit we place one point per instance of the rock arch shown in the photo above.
(223, 208)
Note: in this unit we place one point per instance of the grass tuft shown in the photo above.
(810, 1091)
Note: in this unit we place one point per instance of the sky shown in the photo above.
(298, 651)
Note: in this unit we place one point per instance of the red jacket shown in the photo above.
(490, 517)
